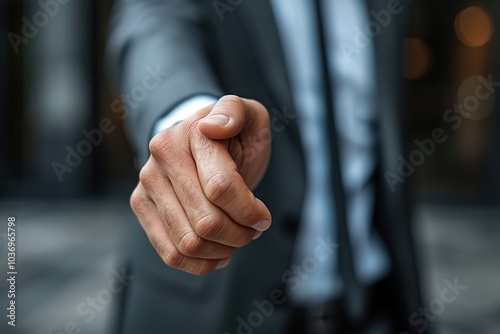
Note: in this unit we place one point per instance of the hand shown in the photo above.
(194, 197)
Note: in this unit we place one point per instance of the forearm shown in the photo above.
(157, 59)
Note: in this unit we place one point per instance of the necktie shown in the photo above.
(353, 297)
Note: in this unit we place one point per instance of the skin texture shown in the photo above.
(194, 197)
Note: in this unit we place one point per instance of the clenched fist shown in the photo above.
(194, 197)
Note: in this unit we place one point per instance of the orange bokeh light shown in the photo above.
(474, 26)
(418, 58)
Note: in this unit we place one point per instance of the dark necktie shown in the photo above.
(354, 296)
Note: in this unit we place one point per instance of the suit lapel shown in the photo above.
(258, 23)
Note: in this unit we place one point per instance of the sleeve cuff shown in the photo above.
(183, 111)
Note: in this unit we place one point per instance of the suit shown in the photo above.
(242, 55)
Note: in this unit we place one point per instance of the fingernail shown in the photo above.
(219, 119)
(262, 225)
(223, 263)
(257, 235)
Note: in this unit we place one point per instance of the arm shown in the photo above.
(164, 37)
(194, 196)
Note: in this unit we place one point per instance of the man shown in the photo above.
(212, 152)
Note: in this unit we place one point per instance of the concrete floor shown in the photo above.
(67, 254)
(462, 243)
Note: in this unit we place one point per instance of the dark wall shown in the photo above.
(465, 167)
(55, 87)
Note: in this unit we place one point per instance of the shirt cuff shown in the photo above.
(183, 111)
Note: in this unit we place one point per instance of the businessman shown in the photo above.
(262, 198)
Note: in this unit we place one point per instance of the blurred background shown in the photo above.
(68, 184)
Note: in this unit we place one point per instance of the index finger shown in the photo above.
(224, 186)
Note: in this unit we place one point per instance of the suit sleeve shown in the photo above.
(157, 58)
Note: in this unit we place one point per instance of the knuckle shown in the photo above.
(208, 227)
(218, 187)
(173, 259)
(170, 256)
(233, 99)
(138, 203)
(191, 245)
(245, 239)
(147, 176)
(231, 104)
(156, 146)
(161, 145)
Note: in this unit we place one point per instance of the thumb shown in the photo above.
(225, 120)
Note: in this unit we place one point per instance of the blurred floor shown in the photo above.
(461, 243)
(67, 253)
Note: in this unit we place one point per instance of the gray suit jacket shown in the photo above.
(242, 55)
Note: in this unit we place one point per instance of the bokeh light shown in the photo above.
(476, 97)
(418, 58)
(474, 26)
